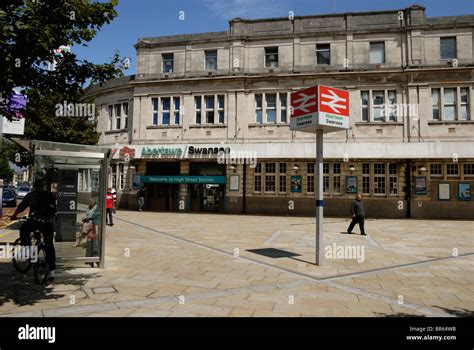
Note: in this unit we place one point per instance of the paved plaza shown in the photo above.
(171, 264)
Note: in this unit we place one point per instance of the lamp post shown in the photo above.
(421, 170)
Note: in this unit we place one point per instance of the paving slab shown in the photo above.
(192, 258)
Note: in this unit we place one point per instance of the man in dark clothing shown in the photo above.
(141, 198)
(358, 215)
(42, 206)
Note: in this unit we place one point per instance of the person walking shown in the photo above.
(109, 205)
(358, 215)
(141, 198)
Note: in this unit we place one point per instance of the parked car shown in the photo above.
(9, 198)
(9, 187)
(22, 191)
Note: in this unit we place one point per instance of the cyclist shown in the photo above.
(42, 206)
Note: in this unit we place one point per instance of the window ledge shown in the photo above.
(206, 126)
(451, 122)
(164, 127)
(258, 125)
(379, 123)
(118, 131)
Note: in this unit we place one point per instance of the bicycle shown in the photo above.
(24, 262)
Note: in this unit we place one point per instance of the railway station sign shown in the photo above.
(319, 108)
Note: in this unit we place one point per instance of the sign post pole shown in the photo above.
(319, 197)
(1, 198)
(1, 153)
(1, 134)
(319, 109)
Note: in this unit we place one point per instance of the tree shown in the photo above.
(29, 31)
(43, 121)
(6, 173)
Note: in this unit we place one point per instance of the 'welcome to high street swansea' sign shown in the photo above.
(183, 179)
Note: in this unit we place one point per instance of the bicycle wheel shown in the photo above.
(21, 262)
(40, 267)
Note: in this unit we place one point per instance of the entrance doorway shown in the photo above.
(162, 196)
(166, 197)
(207, 198)
(212, 198)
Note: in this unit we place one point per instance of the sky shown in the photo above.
(149, 18)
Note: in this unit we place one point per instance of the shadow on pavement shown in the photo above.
(453, 312)
(273, 253)
(21, 289)
(277, 254)
(457, 312)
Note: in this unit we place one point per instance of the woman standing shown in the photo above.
(109, 199)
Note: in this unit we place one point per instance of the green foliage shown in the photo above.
(29, 31)
(17, 154)
(6, 173)
(43, 124)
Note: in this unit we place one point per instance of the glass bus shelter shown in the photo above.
(77, 175)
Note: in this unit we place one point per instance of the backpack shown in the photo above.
(43, 206)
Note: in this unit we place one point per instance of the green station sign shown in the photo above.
(165, 151)
(182, 179)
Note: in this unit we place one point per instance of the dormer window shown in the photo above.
(168, 62)
(271, 57)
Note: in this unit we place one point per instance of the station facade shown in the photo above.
(204, 122)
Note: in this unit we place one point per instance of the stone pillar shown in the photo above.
(187, 65)
(423, 109)
(141, 168)
(349, 49)
(237, 56)
(296, 54)
(139, 121)
(415, 47)
(414, 120)
(184, 201)
(235, 198)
